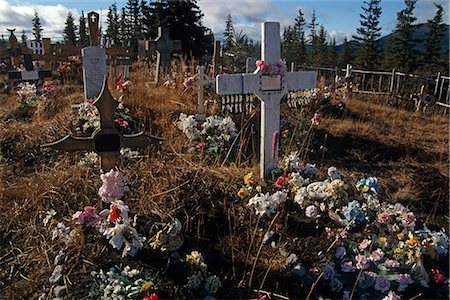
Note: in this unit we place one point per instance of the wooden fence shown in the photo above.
(393, 83)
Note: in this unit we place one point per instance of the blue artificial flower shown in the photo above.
(353, 212)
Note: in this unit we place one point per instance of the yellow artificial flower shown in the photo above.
(248, 179)
(146, 286)
(400, 236)
(259, 189)
(243, 192)
(412, 242)
(383, 241)
(398, 252)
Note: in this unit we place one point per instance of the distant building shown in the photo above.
(37, 47)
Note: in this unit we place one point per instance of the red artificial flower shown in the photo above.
(151, 297)
(437, 275)
(282, 181)
(115, 213)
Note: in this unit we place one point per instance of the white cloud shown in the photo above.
(53, 17)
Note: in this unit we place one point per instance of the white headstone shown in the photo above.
(94, 70)
(270, 89)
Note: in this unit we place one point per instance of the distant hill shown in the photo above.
(420, 33)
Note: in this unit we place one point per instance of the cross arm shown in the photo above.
(301, 80)
(140, 140)
(71, 144)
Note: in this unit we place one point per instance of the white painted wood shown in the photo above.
(229, 84)
(271, 42)
(300, 80)
(250, 65)
(270, 90)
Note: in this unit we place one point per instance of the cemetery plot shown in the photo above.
(280, 187)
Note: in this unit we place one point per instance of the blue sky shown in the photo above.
(340, 17)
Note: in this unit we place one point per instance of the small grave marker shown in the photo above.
(94, 61)
(106, 141)
(200, 81)
(164, 46)
(270, 89)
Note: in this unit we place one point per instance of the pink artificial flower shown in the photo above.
(87, 217)
(364, 244)
(113, 186)
(261, 65)
(347, 267)
(377, 255)
(200, 145)
(392, 263)
(383, 218)
(340, 252)
(362, 262)
(391, 296)
(382, 284)
(188, 82)
(409, 220)
(316, 119)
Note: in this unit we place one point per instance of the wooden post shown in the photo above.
(391, 85)
(201, 80)
(216, 59)
(438, 78)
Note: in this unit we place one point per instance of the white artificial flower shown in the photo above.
(126, 236)
(48, 216)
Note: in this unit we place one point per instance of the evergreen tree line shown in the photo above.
(400, 52)
(140, 20)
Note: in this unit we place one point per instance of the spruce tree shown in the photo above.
(332, 53)
(24, 38)
(134, 22)
(83, 39)
(299, 26)
(289, 44)
(124, 29)
(346, 55)
(37, 27)
(228, 34)
(113, 25)
(368, 54)
(320, 47)
(404, 54)
(69, 33)
(432, 57)
(312, 39)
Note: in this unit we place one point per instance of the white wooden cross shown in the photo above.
(164, 47)
(106, 141)
(270, 89)
(200, 80)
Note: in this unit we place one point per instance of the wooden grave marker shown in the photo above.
(94, 61)
(270, 89)
(108, 140)
(164, 47)
(200, 80)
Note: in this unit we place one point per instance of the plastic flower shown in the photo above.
(316, 119)
(391, 296)
(362, 262)
(366, 185)
(377, 255)
(392, 263)
(123, 235)
(188, 82)
(352, 212)
(409, 220)
(367, 279)
(212, 284)
(382, 284)
(336, 285)
(347, 267)
(437, 275)
(151, 297)
(282, 181)
(87, 217)
(403, 281)
(248, 179)
(340, 252)
(311, 211)
(113, 186)
(243, 192)
(364, 244)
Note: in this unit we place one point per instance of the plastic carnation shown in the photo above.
(87, 217)
(113, 186)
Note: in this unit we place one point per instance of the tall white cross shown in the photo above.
(270, 89)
